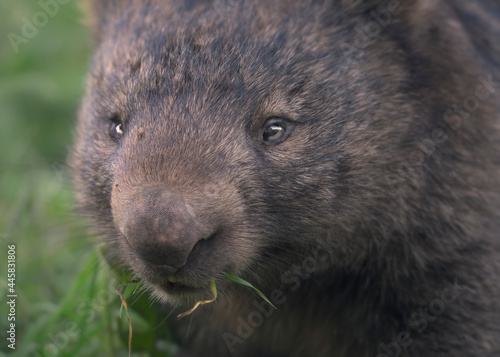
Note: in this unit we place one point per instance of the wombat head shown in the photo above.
(241, 136)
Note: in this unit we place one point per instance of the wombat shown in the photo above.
(341, 156)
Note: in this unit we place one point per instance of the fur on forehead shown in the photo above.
(100, 14)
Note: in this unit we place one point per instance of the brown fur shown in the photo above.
(381, 170)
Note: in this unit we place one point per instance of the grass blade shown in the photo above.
(190, 311)
(246, 283)
(131, 288)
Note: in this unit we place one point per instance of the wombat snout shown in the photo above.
(160, 227)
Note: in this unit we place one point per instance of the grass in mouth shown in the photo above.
(214, 291)
(190, 311)
(246, 283)
(132, 286)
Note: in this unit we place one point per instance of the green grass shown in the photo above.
(66, 305)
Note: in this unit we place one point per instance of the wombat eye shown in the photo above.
(116, 130)
(275, 131)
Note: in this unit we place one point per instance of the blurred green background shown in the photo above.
(66, 305)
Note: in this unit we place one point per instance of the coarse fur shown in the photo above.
(374, 227)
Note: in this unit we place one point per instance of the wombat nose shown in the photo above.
(160, 227)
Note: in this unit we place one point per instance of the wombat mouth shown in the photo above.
(179, 288)
(180, 293)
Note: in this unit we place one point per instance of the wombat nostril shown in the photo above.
(211, 237)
